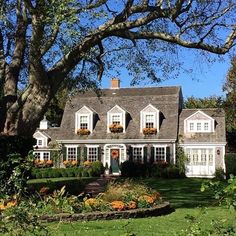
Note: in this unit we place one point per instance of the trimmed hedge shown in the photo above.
(230, 164)
(134, 169)
(73, 185)
(95, 170)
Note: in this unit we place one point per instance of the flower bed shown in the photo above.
(131, 198)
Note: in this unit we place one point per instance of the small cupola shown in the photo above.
(44, 124)
(115, 83)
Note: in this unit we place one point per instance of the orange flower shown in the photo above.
(132, 205)
(87, 163)
(147, 131)
(118, 205)
(49, 162)
(65, 162)
(2, 207)
(156, 196)
(74, 163)
(148, 199)
(83, 131)
(11, 204)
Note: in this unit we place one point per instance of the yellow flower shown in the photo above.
(147, 198)
(91, 202)
(132, 205)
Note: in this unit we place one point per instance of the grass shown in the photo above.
(183, 194)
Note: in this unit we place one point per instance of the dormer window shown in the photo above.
(199, 122)
(116, 120)
(84, 120)
(149, 120)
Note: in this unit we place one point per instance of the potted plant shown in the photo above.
(107, 170)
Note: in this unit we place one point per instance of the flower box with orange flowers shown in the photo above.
(83, 132)
(149, 131)
(43, 164)
(68, 164)
(114, 128)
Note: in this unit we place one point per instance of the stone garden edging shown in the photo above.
(162, 209)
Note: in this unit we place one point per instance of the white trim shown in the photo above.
(108, 147)
(199, 144)
(159, 146)
(210, 121)
(224, 167)
(71, 146)
(41, 154)
(91, 146)
(117, 141)
(89, 115)
(122, 115)
(142, 151)
(174, 152)
(143, 115)
(44, 135)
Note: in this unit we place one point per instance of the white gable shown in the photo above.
(199, 122)
(116, 109)
(199, 115)
(84, 110)
(42, 139)
(150, 108)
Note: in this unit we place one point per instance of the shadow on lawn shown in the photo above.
(182, 193)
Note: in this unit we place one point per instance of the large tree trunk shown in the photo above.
(23, 117)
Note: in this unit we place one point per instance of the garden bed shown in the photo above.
(162, 209)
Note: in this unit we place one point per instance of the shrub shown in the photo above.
(133, 169)
(219, 174)
(97, 168)
(230, 163)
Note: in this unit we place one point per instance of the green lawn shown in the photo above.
(183, 194)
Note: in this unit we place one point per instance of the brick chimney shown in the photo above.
(115, 83)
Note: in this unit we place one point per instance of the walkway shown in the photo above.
(98, 186)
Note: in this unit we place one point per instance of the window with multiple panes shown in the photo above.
(199, 126)
(116, 119)
(191, 126)
(71, 153)
(46, 156)
(149, 121)
(137, 154)
(200, 156)
(160, 154)
(39, 142)
(83, 122)
(37, 155)
(206, 126)
(92, 154)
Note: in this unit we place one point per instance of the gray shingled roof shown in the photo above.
(132, 100)
(218, 136)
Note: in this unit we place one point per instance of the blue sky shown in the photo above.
(205, 79)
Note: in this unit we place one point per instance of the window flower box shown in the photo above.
(149, 131)
(43, 164)
(114, 128)
(83, 131)
(68, 164)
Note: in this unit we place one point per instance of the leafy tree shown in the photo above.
(207, 102)
(230, 105)
(42, 43)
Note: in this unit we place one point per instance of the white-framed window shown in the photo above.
(37, 155)
(39, 142)
(92, 153)
(116, 119)
(206, 126)
(149, 118)
(42, 156)
(199, 126)
(160, 153)
(71, 153)
(46, 156)
(84, 124)
(84, 119)
(191, 126)
(137, 154)
(200, 156)
(116, 116)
